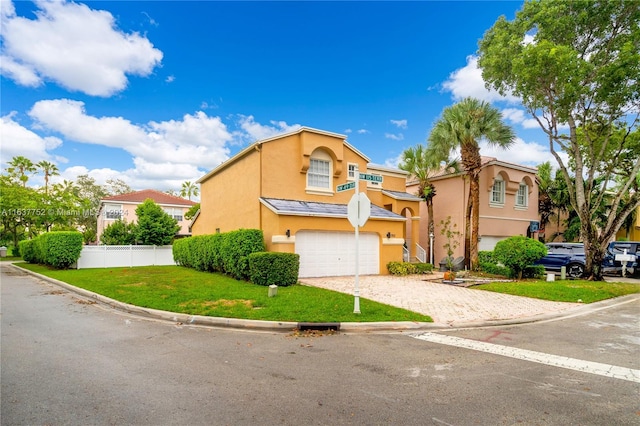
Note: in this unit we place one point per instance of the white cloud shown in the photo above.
(402, 124)
(362, 131)
(18, 140)
(467, 82)
(393, 161)
(347, 131)
(517, 116)
(394, 137)
(256, 131)
(79, 48)
(521, 152)
(197, 139)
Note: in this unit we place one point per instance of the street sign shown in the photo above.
(345, 186)
(359, 209)
(371, 178)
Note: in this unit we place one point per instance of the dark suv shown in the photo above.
(612, 266)
(570, 255)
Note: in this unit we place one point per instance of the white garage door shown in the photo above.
(487, 243)
(327, 254)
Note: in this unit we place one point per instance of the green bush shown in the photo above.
(518, 252)
(58, 249)
(181, 251)
(236, 246)
(267, 268)
(118, 233)
(407, 268)
(534, 271)
(27, 248)
(489, 264)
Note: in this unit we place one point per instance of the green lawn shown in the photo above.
(184, 290)
(563, 291)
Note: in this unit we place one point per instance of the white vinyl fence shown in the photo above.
(114, 256)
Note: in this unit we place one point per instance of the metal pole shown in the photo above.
(356, 291)
(431, 247)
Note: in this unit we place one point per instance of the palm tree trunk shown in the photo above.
(475, 219)
(467, 230)
(431, 226)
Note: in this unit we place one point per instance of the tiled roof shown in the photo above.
(397, 195)
(310, 208)
(157, 196)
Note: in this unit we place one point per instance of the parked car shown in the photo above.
(570, 255)
(612, 266)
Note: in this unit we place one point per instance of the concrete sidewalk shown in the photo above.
(448, 305)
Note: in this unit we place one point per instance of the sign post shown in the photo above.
(358, 212)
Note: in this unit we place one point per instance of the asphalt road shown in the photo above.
(64, 361)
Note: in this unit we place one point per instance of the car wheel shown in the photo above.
(575, 270)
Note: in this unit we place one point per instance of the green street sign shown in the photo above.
(345, 186)
(371, 178)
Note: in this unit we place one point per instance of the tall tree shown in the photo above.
(189, 189)
(155, 226)
(48, 169)
(575, 67)
(20, 168)
(422, 167)
(461, 126)
(117, 187)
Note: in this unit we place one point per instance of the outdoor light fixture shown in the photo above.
(288, 233)
(388, 234)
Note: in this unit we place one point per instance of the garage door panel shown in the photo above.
(333, 253)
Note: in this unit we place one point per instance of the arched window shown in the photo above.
(497, 191)
(319, 172)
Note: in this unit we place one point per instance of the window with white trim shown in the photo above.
(522, 196)
(113, 211)
(351, 171)
(174, 213)
(497, 191)
(319, 172)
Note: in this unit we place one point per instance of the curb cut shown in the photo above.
(282, 326)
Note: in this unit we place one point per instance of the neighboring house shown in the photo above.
(633, 232)
(124, 206)
(286, 186)
(508, 205)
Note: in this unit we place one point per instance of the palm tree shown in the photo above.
(20, 166)
(189, 189)
(48, 169)
(423, 167)
(461, 126)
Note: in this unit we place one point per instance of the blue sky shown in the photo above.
(160, 92)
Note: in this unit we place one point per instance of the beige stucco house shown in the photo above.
(287, 187)
(124, 206)
(508, 205)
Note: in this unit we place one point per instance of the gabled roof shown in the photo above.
(309, 208)
(256, 144)
(157, 196)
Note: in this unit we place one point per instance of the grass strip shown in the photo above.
(581, 291)
(185, 290)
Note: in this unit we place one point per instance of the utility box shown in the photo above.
(3, 251)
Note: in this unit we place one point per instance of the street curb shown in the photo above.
(399, 326)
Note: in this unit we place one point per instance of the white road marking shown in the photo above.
(607, 370)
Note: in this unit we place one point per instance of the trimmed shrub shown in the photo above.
(518, 252)
(27, 248)
(534, 271)
(181, 251)
(236, 246)
(267, 268)
(489, 264)
(58, 249)
(407, 268)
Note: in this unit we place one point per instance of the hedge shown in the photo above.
(226, 253)
(407, 268)
(267, 268)
(58, 249)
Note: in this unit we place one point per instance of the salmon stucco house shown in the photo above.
(508, 205)
(286, 186)
(123, 207)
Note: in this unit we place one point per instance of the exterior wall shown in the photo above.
(229, 200)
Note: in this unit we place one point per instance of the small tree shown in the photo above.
(119, 233)
(516, 253)
(452, 235)
(155, 226)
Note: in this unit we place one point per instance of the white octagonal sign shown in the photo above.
(359, 209)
